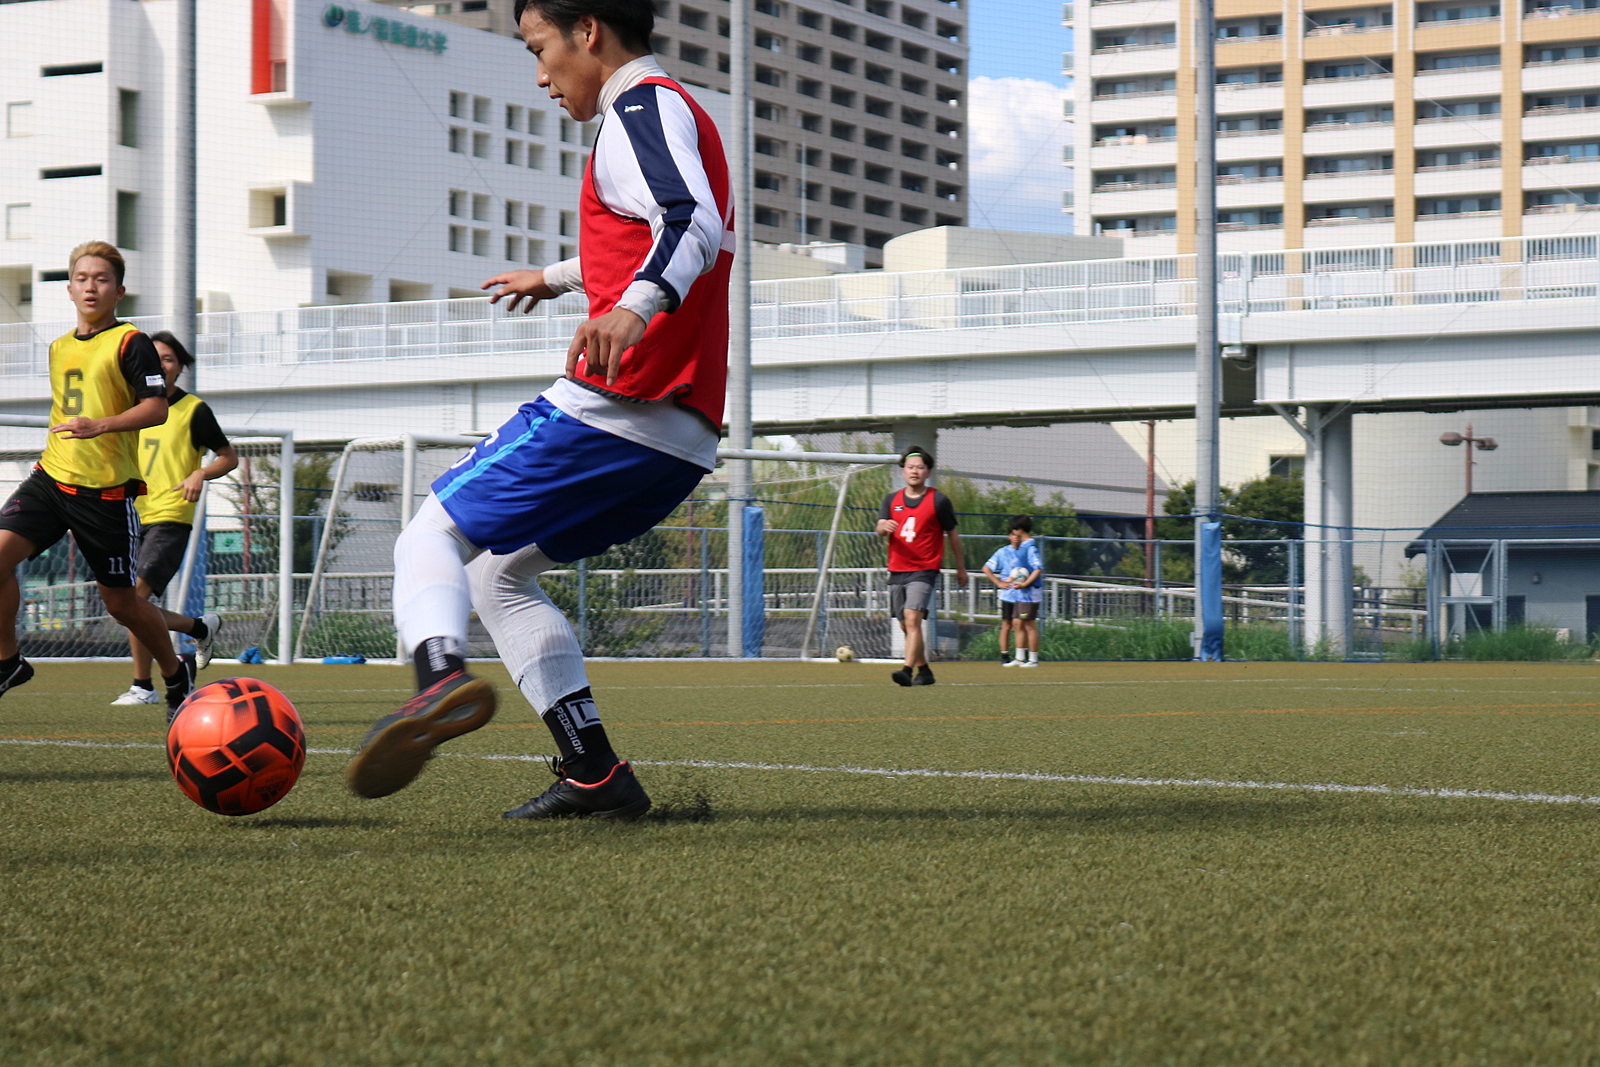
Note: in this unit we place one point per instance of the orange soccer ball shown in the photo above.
(236, 746)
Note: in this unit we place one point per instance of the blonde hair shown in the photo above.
(101, 250)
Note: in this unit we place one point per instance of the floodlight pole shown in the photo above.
(1208, 365)
(185, 228)
(739, 426)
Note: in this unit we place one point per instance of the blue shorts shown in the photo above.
(545, 478)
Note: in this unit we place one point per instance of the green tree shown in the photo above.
(258, 497)
(1274, 498)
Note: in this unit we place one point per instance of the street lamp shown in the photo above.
(1485, 444)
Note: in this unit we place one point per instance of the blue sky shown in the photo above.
(1018, 39)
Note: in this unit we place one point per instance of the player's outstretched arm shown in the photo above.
(524, 288)
(149, 411)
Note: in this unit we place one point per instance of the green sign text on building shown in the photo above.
(381, 29)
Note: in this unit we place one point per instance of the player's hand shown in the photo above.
(80, 428)
(961, 576)
(601, 342)
(886, 527)
(1005, 583)
(524, 287)
(190, 487)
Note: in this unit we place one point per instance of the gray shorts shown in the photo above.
(161, 549)
(915, 594)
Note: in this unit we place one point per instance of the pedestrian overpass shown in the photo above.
(1314, 336)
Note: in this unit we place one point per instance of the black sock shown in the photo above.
(177, 681)
(586, 754)
(144, 683)
(201, 631)
(434, 664)
(9, 664)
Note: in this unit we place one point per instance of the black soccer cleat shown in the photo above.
(179, 691)
(401, 743)
(617, 796)
(19, 676)
(924, 676)
(902, 676)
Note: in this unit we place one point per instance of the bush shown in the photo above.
(1516, 644)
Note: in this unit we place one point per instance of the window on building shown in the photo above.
(1457, 60)
(480, 145)
(913, 117)
(809, 87)
(876, 238)
(842, 198)
(913, 183)
(1370, 67)
(1457, 205)
(536, 122)
(873, 205)
(480, 207)
(1241, 124)
(535, 251)
(458, 105)
(569, 165)
(569, 224)
(842, 131)
(1376, 162)
(468, 7)
(881, 8)
(812, 191)
(810, 123)
(916, 86)
(568, 251)
(19, 119)
(880, 41)
(948, 64)
(513, 213)
(458, 239)
(769, 181)
(769, 112)
(535, 217)
(692, 53)
(766, 216)
(1286, 466)
(513, 152)
(950, 31)
(19, 222)
(770, 42)
(724, 28)
(514, 117)
(839, 231)
(809, 19)
(881, 108)
(842, 164)
(1456, 12)
(692, 18)
(459, 204)
(946, 191)
(881, 141)
(843, 64)
(1433, 110)
(480, 109)
(947, 128)
(916, 216)
(770, 7)
(127, 220)
(769, 146)
(769, 76)
(913, 150)
(1568, 53)
(915, 19)
(535, 157)
(1484, 156)
(842, 98)
(128, 118)
(810, 53)
(881, 175)
(458, 139)
(480, 243)
(880, 75)
(951, 160)
(513, 248)
(1566, 102)
(914, 52)
(842, 30)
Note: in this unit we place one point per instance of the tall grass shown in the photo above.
(1141, 639)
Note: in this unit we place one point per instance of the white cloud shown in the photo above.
(1015, 132)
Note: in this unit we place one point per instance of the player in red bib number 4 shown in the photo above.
(916, 520)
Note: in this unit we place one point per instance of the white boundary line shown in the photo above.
(987, 776)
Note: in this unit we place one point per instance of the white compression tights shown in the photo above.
(440, 576)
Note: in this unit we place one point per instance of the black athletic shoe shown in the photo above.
(924, 676)
(180, 690)
(19, 676)
(618, 796)
(902, 676)
(401, 743)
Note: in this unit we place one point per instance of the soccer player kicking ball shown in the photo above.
(602, 455)
(1018, 569)
(170, 455)
(915, 520)
(105, 386)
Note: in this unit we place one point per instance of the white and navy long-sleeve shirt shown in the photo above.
(647, 166)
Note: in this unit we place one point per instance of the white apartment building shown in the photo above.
(348, 153)
(1341, 123)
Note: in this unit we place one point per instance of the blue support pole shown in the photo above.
(1211, 618)
(754, 571)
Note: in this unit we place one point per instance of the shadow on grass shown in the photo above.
(41, 777)
(312, 822)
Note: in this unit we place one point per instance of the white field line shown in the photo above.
(986, 776)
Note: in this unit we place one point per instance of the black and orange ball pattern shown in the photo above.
(236, 746)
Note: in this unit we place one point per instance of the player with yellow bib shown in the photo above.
(105, 386)
(170, 461)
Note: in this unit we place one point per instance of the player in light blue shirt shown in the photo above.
(1018, 569)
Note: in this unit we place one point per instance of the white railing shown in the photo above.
(876, 302)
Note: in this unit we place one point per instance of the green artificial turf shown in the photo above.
(781, 916)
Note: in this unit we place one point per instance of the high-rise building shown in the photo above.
(860, 128)
(1341, 123)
